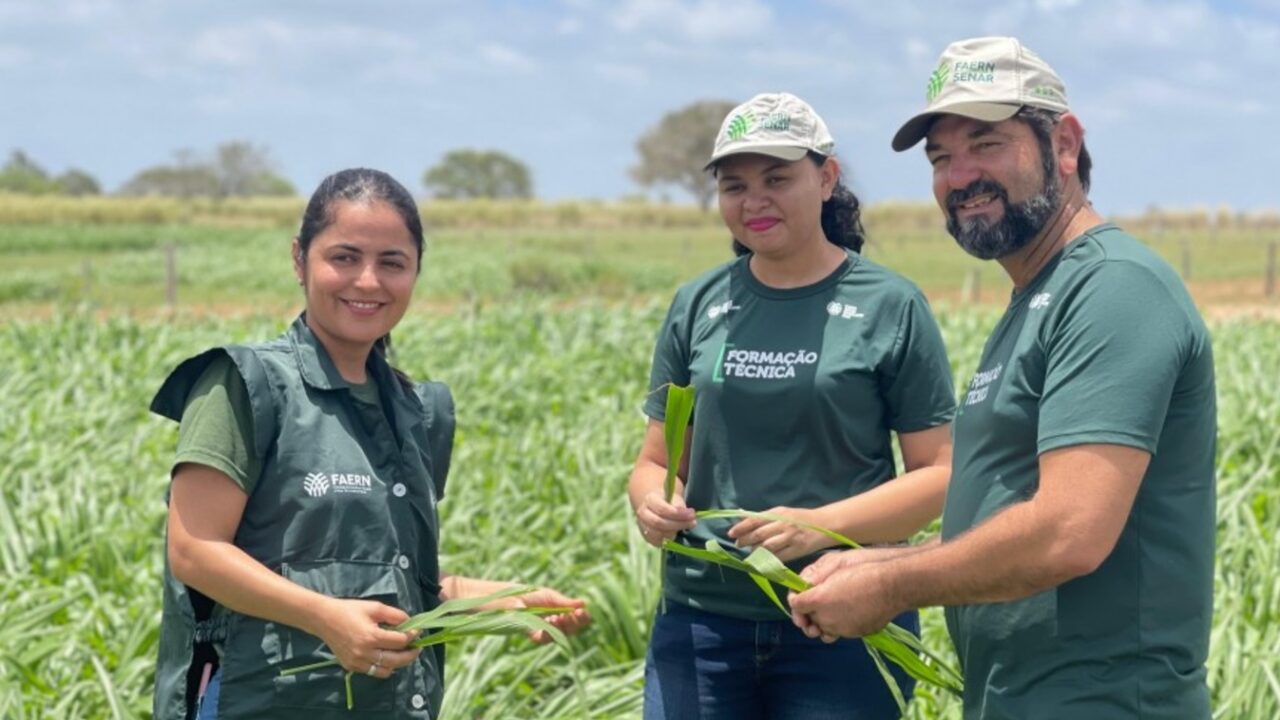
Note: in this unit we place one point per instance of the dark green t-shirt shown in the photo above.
(217, 423)
(1103, 346)
(797, 392)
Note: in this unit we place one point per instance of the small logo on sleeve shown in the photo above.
(719, 309)
(1040, 301)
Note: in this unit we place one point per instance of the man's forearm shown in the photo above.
(1012, 555)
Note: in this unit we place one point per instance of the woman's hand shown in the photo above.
(660, 520)
(353, 631)
(574, 619)
(785, 540)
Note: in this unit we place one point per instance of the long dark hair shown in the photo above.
(360, 185)
(841, 216)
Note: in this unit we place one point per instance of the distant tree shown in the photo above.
(238, 169)
(245, 169)
(479, 174)
(22, 175)
(173, 181)
(78, 182)
(677, 148)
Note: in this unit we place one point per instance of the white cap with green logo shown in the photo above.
(986, 78)
(779, 125)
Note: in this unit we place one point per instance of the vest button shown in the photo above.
(417, 701)
(403, 562)
(399, 490)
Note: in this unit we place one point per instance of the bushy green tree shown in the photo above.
(479, 174)
(237, 169)
(21, 174)
(78, 182)
(676, 149)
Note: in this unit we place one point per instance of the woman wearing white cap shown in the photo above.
(806, 358)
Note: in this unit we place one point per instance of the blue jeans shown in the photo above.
(705, 666)
(209, 703)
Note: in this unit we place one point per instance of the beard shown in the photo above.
(987, 239)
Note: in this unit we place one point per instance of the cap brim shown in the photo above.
(917, 127)
(790, 153)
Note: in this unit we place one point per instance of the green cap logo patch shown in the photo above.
(741, 124)
(937, 80)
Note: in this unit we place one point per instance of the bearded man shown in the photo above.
(1076, 555)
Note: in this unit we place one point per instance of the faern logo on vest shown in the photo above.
(319, 484)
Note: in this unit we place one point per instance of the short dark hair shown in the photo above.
(841, 216)
(1042, 122)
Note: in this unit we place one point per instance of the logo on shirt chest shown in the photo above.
(318, 484)
(980, 385)
(735, 362)
(841, 310)
(719, 309)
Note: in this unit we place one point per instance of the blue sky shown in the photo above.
(1175, 95)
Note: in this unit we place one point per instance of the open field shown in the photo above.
(111, 252)
(549, 420)
(541, 318)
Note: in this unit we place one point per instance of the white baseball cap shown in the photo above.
(779, 125)
(987, 78)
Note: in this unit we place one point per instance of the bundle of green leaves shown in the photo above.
(461, 618)
(893, 643)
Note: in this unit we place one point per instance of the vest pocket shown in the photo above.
(258, 650)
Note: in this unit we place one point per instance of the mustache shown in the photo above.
(974, 189)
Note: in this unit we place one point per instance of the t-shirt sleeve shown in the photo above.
(916, 379)
(670, 359)
(217, 425)
(1112, 358)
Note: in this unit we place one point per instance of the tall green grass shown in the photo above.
(549, 407)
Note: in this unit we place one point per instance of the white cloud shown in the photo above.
(506, 58)
(1052, 5)
(699, 20)
(620, 73)
(918, 51)
(253, 42)
(13, 56)
(82, 11)
(569, 26)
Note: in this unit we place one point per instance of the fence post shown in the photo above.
(1269, 289)
(170, 275)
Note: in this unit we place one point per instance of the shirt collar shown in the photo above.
(318, 371)
(317, 368)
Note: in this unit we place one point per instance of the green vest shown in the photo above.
(345, 505)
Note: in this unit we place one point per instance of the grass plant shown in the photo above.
(537, 493)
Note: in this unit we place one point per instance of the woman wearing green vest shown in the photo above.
(302, 510)
(806, 357)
